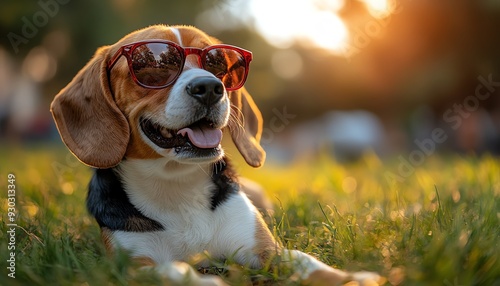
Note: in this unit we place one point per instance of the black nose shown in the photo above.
(207, 90)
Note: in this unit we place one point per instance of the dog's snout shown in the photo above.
(207, 90)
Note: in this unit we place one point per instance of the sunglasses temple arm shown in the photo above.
(115, 58)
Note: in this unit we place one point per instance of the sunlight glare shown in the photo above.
(329, 32)
(283, 23)
(378, 8)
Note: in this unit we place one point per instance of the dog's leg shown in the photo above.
(314, 272)
(181, 273)
(178, 273)
(309, 270)
(172, 272)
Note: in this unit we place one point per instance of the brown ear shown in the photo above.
(88, 120)
(246, 127)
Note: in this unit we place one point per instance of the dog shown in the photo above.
(148, 113)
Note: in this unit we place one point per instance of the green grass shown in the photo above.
(439, 226)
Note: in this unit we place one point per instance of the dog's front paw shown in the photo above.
(329, 277)
(365, 278)
(181, 273)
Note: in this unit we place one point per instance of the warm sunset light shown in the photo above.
(378, 8)
(311, 22)
(250, 142)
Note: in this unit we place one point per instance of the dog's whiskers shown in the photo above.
(217, 167)
(235, 121)
(236, 118)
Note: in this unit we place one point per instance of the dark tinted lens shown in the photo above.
(226, 64)
(156, 64)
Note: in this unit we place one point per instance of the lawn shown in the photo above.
(437, 225)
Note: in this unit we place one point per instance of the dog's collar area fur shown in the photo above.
(225, 180)
(111, 207)
(108, 202)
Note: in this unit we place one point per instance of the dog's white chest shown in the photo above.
(185, 233)
(189, 232)
(184, 209)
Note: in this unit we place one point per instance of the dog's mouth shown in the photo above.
(200, 136)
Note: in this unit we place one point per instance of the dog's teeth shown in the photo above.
(165, 133)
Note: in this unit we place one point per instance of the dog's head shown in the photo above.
(115, 108)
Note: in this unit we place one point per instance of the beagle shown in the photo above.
(148, 113)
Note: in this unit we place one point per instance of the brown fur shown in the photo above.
(246, 127)
(144, 261)
(106, 234)
(89, 121)
(326, 278)
(266, 247)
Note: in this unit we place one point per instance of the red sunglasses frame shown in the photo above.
(127, 51)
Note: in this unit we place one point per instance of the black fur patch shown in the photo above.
(225, 180)
(111, 207)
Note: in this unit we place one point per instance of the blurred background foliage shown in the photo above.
(346, 75)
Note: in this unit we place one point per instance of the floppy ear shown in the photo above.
(246, 127)
(88, 120)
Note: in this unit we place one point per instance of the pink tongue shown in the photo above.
(202, 136)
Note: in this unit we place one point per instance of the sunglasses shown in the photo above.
(157, 63)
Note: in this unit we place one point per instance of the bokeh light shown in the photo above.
(284, 23)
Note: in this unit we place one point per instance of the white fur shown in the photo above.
(178, 196)
(305, 264)
(181, 107)
(181, 273)
(177, 35)
(189, 64)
